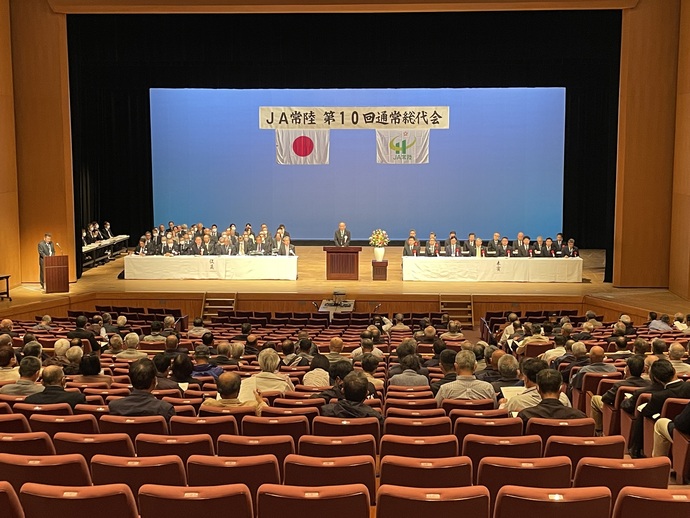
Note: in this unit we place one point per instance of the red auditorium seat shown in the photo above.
(153, 445)
(104, 501)
(397, 501)
(577, 502)
(88, 445)
(158, 500)
(301, 470)
(425, 472)
(342, 501)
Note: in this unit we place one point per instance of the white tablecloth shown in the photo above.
(484, 269)
(211, 267)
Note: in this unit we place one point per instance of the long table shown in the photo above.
(211, 267)
(497, 269)
(101, 251)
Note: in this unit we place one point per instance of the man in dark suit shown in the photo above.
(453, 248)
(504, 248)
(559, 244)
(285, 247)
(262, 248)
(184, 246)
(208, 247)
(469, 245)
(156, 239)
(106, 232)
(169, 248)
(661, 371)
(493, 245)
(538, 247)
(342, 235)
(54, 391)
(518, 241)
(223, 247)
(432, 248)
(81, 332)
(548, 250)
(524, 248)
(197, 247)
(151, 248)
(571, 250)
(45, 249)
(411, 248)
(452, 234)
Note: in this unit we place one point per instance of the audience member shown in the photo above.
(268, 379)
(491, 373)
(73, 355)
(675, 356)
(44, 324)
(90, 371)
(181, 371)
(54, 390)
(367, 347)
(466, 386)
(438, 347)
(140, 402)
(81, 332)
(163, 364)
(530, 369)
(60, 348)
(351, 405)
(550, 406)
(131, 352)
(197, 330)
(454, 331)
(663, 325)
(508, 368)
(446, 361)
(203, 367)
(663, 431)
(318, 372)
(228, 389)
(156, 333)
(580, 358)
(114, 345)
(29, 370)
(596, 364)
(369, 365)
(223, 356)
(409, 377)
(335, 349)
(251, 346)
(293, 355)
(172, 347)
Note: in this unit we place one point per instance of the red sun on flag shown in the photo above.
(303, 146)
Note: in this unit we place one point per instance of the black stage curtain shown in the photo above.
(115, 59)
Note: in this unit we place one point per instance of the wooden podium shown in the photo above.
(342, 262)
(56, 273)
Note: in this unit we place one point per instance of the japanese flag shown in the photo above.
(302, 147)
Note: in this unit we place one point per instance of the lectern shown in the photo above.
(342, 262)
(56, 273)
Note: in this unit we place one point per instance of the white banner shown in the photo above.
(402, 147)
(302, 147)
(354, 117)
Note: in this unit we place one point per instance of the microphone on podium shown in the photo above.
(58, 245)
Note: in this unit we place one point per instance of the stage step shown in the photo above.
(213, 302)
(459, 307)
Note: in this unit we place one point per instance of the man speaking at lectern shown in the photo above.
(45, 248)
(342, 235)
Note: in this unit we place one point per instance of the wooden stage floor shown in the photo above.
(311, 280)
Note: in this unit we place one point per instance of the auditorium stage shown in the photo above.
(100, 284)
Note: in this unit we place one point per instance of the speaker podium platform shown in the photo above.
(342, 263)
(56, 273)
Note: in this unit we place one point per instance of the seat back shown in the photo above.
(88, 445)
(27, 409)
(157, 500)
(436, 446)
(133, 425)
(323, 446)
(633, 502)
(30, 443)
(214, 426)
(415, 413)
(545, 428)
(152, 445)
(423, 472)
(342, 501)
(501, 427)
(396, 501)
(294, 426)
(14, 423)
(301, 470)
(204, 470)
(52, 424)
(476, 447)
(467, 404)
(9, 501)
(578, 447)
(425, 403)
(105, 501)
(564, 502)
(110, 469)
(43, 469)
(240, 446)
(496, 472)
(338, 426)
(618, 473)
(425, 426)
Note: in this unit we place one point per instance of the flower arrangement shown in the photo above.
(379, 238)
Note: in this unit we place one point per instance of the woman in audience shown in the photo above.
(90, 369)
(182, 368)
(318, 372)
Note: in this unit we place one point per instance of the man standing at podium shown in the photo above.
(45, 248)
(342, 235)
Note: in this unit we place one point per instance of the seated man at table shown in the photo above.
(504, 248)
(524, 248)
(355, 390)
(285, 247)
(140, 402)
(571, 250)
(493, 245)
(432, 248)
(469, 245)
(551, 407)
(537, 247)
(197, 247)
(260, 247)
(479, 248)
(169, 248)
(229, 384)
(411, 248)
(548, 249)
(453, 248)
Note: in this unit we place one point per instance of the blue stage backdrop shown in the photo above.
(499, 167)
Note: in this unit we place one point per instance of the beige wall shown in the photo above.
(679, 278)
(44, 155)
(10, 262)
